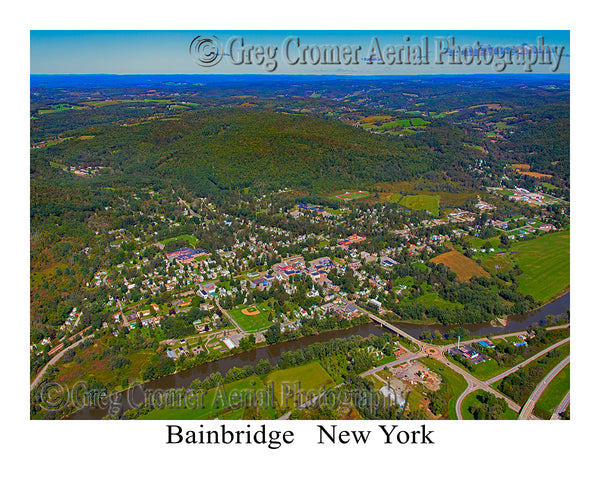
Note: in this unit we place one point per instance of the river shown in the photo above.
(515, 323)
(135, 395)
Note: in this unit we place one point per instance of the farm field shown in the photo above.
(251, 318)
(311, 377)
(399, 126)
(59, 108)
(394, 191)
(464, 267)
(421, 202)
(545, 263)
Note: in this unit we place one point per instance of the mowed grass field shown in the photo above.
(555, 392)
(312, 378)
(464, 267)
(545, 262)
(421, 202)
(251, 323)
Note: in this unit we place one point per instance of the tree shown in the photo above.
(504, 240)
(273, 334)
(262, 367)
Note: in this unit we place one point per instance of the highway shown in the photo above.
(476, 384)
(562, 406)
(539, 389)
(472, 386)
(473, 383)
(529, 360)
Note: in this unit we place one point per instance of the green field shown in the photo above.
(549, 186)
(497, 262)
(545, 264)
(57, 165)
(336, 211)
(471, 399)
(191, 239)
(347, 196)
(230, 398)
(251, 323)
(312, 377)
(428, 298)
(58, 108)
(395, 197)
(401, 126)
(476, 242)
(555, 392)
(483, 370)
(421, 202)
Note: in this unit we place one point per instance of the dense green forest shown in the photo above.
(232, 148)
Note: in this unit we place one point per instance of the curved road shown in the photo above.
(529, 360)
(537, 393)
(472, 386)
(562, 406)
(53, 360)
(474, 383)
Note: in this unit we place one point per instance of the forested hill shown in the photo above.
(217, 149)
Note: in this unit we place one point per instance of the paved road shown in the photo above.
(476, 384)
(194, 214)
(562, 406)
(472, 386)
(53, 360)
(494, 337)
(529, 360)
(539, 389)
(224, 312)
(393, 364)
(385, 324)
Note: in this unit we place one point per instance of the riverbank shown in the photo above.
(272, 353)
(514, 323)
(183, 378)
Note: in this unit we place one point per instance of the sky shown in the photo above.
(173, 52)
